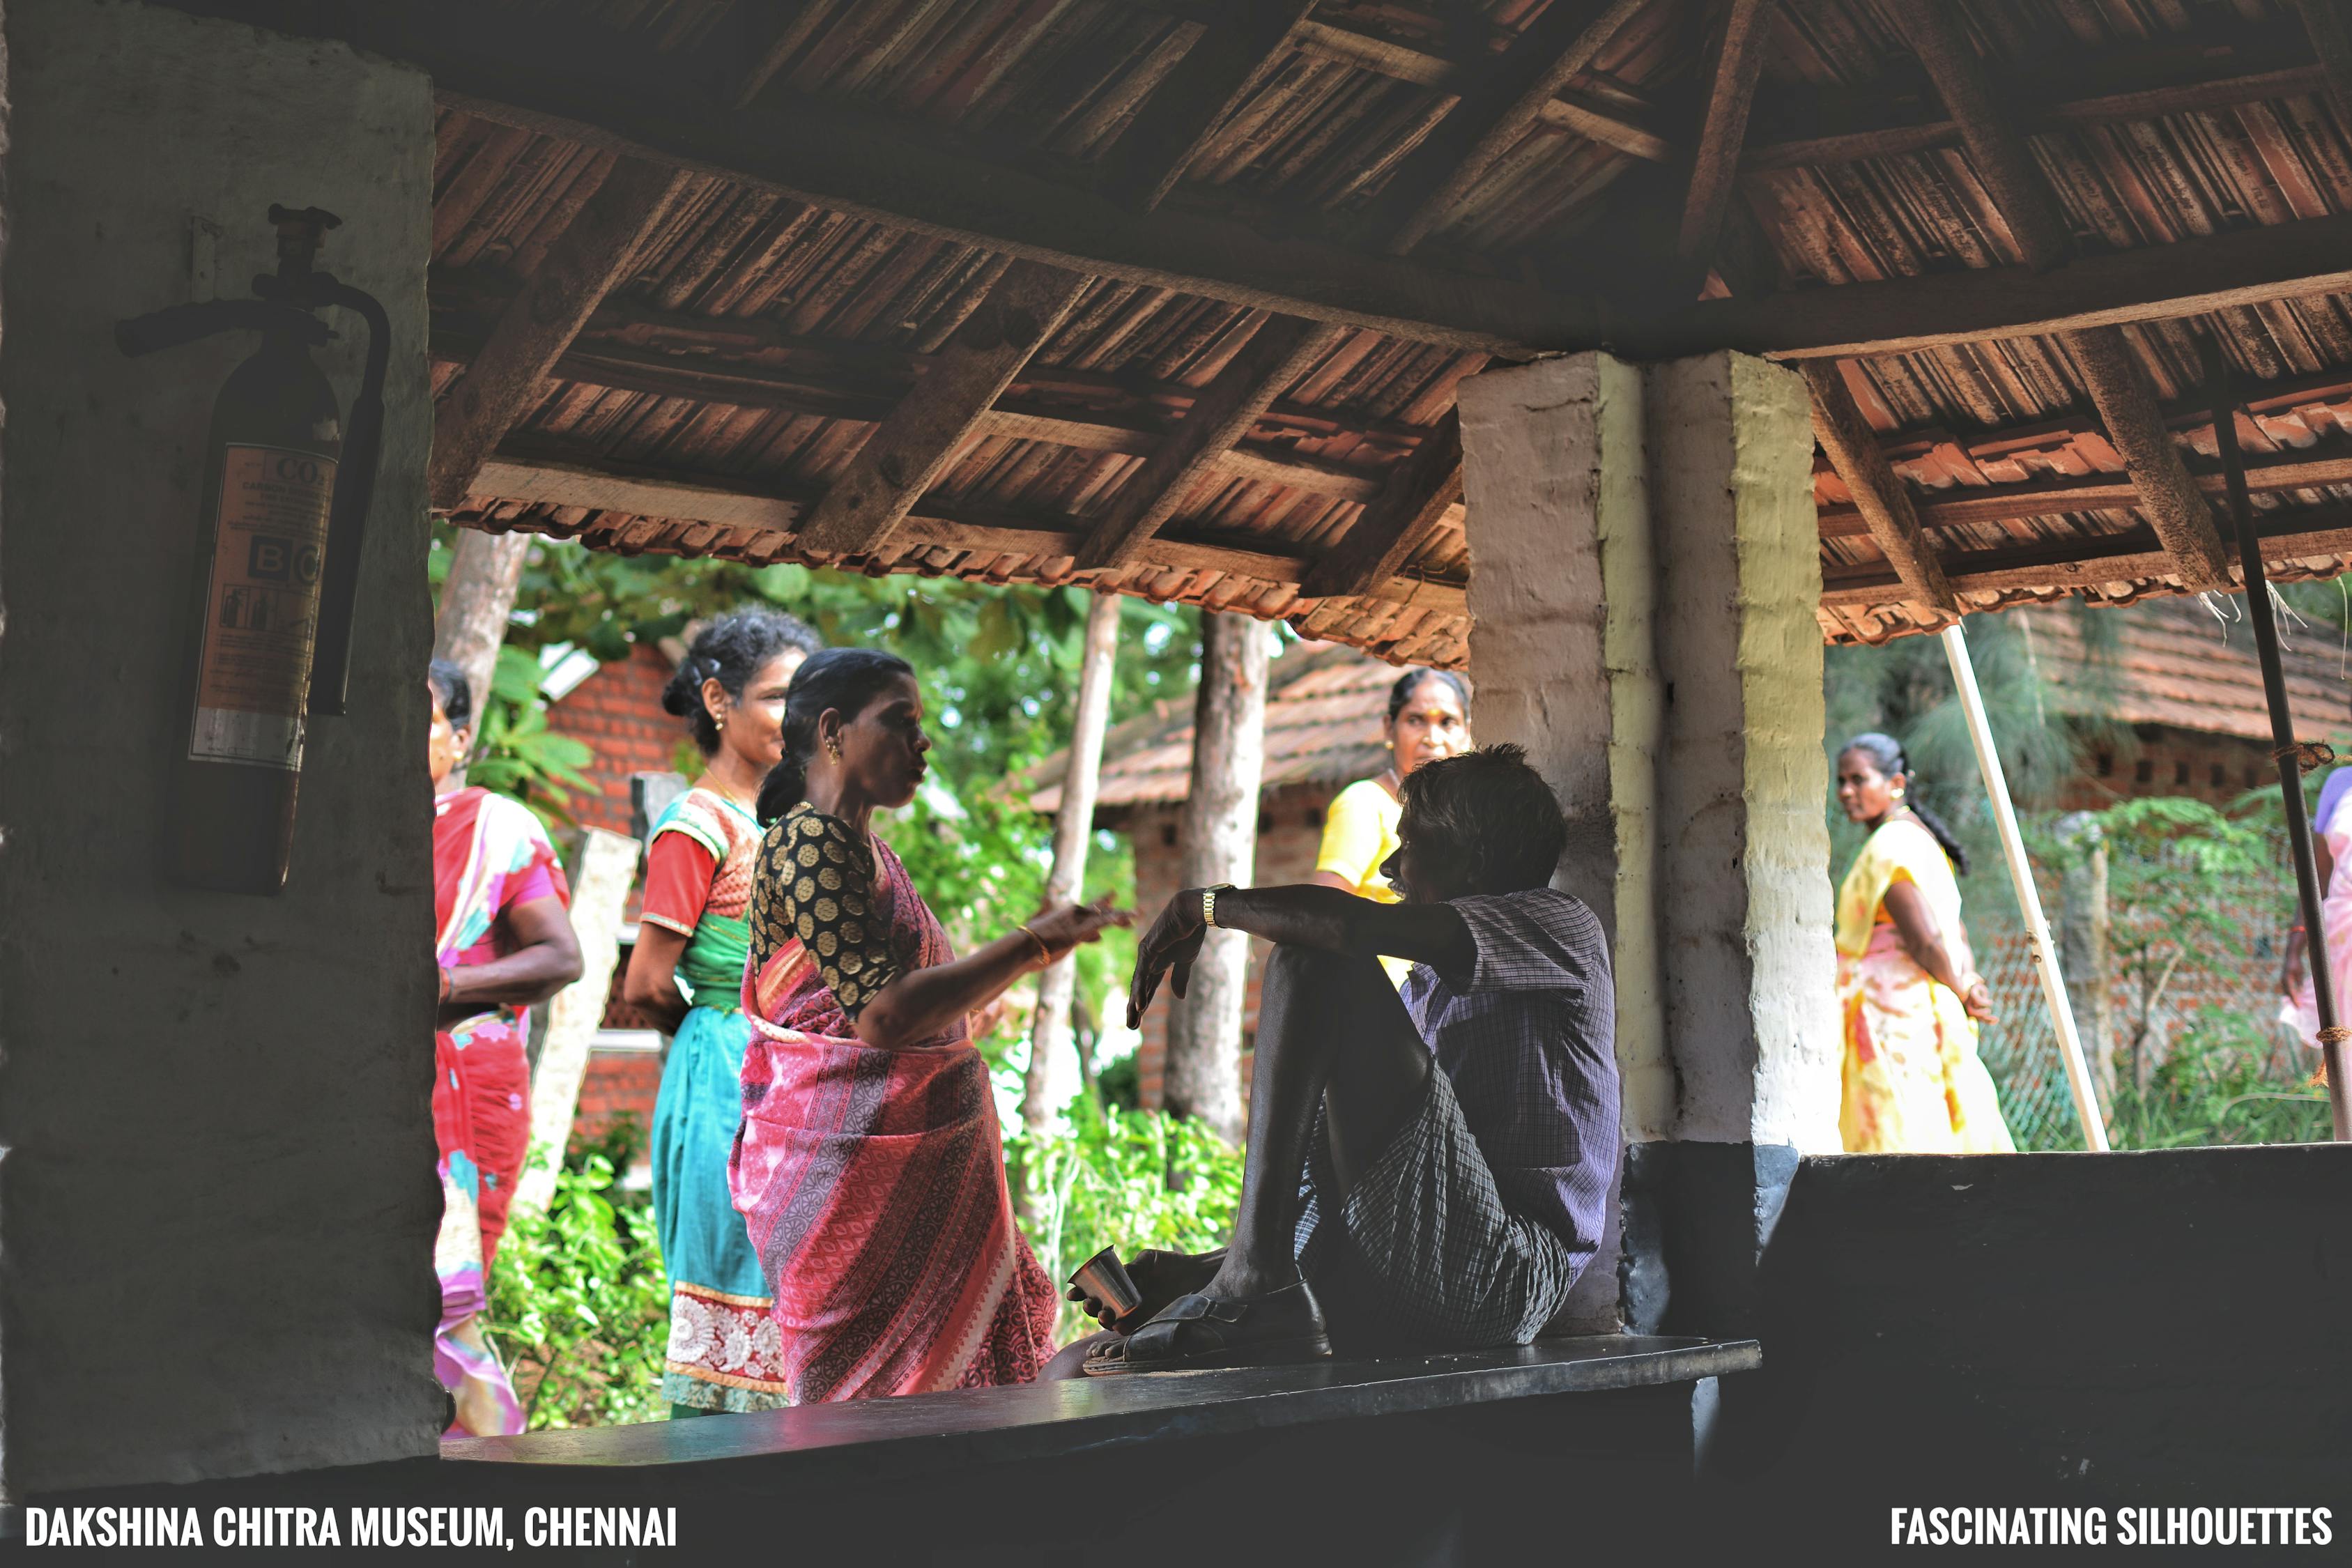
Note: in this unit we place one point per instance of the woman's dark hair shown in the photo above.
(452, 690)
(1410, 681)
(1491, 811)
(1886, 754)
(730, 650)
(848, 678)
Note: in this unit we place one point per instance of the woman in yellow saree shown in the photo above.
(1908, 994)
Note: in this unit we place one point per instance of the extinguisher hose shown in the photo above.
(330, 662)
(177, 325)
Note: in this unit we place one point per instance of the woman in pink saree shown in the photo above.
(869, 1166)
(2331, 835)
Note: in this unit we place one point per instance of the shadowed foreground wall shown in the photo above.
(216, 1225)
(2155, 1328)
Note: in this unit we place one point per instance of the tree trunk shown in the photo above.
(1049, 1033)
(476, 603)
(2083, 955)
(608, 865)
(1218, 832)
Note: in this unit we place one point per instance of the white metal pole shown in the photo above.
(2028, 902)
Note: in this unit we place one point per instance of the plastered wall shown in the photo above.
(217, 1204)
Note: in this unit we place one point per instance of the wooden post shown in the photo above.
(475, 601)
(1050, 1032)
(1218, 832)
(2083, 952)
(608, 864)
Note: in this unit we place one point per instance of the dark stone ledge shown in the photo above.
(1057, 1420)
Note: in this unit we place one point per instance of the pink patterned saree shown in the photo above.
(872, 1180)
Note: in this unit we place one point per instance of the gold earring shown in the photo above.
(832, 749)
(720, 723)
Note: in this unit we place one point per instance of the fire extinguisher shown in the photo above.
(276, 568)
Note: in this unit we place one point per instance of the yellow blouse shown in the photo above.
(1901, 850)
(1360, 833)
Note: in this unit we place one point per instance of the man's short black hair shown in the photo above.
(1491, 811)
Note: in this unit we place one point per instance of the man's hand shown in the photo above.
(1173, 943)
(1160, 1277)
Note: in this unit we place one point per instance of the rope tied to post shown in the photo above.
(2334, 1035)
(2309, 757)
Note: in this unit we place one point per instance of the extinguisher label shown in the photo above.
(262, 613)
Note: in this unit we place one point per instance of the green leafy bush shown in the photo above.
(580, 1304)
(2220, 1084)
(1108, 1182)
(517, 754)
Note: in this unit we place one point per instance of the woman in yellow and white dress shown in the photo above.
(1428, 717)
(1908, 994)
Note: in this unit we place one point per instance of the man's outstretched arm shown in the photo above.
(1299, 916)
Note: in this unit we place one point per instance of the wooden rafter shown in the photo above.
(2181, 518)
(1507, 98)
(1420, 494)
(506, 378)
(1882, 497)
(1222, 67)
(1738, 57)
(2298, 534)
(2331, 37)
(2004, 503)
(1906, 315)
(908, 451)
(757, 524)
(505, 65)
(1281, 351)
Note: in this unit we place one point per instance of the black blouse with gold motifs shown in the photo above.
(815, 882)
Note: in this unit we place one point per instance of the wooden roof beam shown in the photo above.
(1906, 315)
(1498, 106)
(2295, 534)
(1420, 494)
(2331, 35)
(532, 475)
(2002, 503)
(1737, 59)
(505, 380)
(1281, 351)
(2176, 508)
(952, 404)
(904, 455)
(1882, 497)
(582, 85)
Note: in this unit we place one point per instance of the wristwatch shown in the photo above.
(1209, 902)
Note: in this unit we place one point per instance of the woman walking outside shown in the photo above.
(870, 1167)
(1428, 719)
(687, 974)
(1908, 990)
(503, 942)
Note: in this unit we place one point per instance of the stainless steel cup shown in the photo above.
(1104, 1278)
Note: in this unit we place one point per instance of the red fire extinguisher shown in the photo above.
(276, 566)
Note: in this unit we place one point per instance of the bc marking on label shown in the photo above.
(261, 609)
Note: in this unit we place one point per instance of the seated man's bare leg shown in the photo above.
(1332, 1031)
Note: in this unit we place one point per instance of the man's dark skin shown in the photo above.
(1367, 1080)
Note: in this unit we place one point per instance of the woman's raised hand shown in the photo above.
(1073, 925)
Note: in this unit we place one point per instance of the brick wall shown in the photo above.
(618, 712)
(2215, 769)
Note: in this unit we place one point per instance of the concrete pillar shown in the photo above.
(218, 1218)
(1644, 568)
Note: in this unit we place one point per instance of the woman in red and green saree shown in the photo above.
(687, 972)
(503, 942)
(870, 1168)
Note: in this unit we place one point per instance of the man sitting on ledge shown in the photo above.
(1430, 1169)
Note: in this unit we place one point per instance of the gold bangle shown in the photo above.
(1045, 952)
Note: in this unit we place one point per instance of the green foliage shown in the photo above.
(1105, 1182)
(579, 1303)
(516, 754)
(2222, 1084)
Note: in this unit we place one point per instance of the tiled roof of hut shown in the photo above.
(2175, 663)
(1172, 294)
(1323, 713)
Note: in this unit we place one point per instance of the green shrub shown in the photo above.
(1108, 1182)
(580, 1304)
(2219, 1085)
